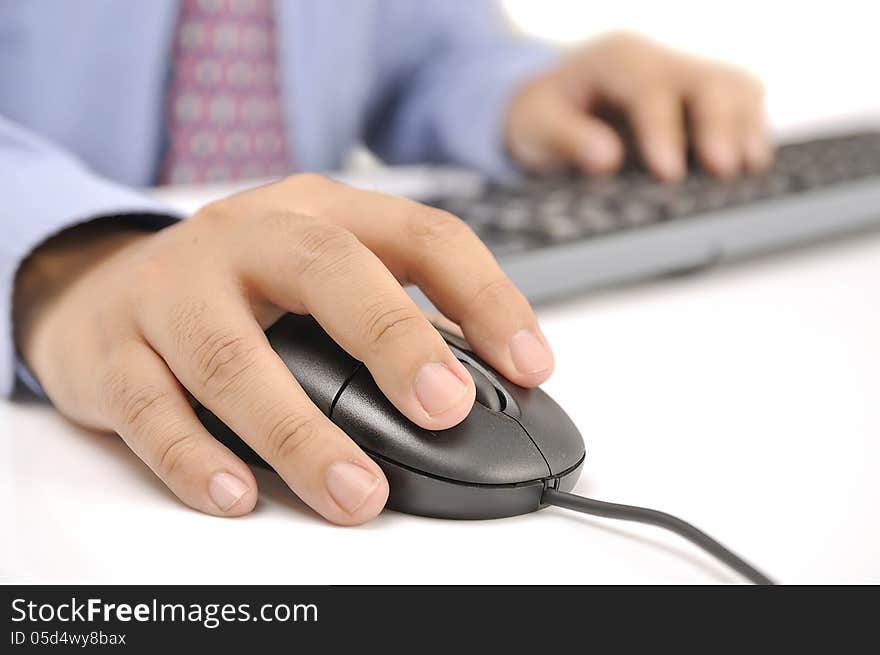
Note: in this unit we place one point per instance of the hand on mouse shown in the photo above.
(118, 325)
(556, 119)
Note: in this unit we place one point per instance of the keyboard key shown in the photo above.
(514, 217)
(634, 213)
(560, 227)
(601, 187)
(773, 184)
(717, 197)
(506, 243)
(551, 205)
(680, 206)
(596, 218)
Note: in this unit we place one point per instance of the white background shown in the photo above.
(743, 399)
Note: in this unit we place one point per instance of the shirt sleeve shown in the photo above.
(45, 191)
(449, 70)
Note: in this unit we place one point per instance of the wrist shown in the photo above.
(56, 265)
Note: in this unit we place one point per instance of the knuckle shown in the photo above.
(223, 359)
(385, 322)
(308, 182)
(113, 388)
(735, 77)
(292, 435)
(655, 96)
(495, 293)
(131, 406)
(432, 227)
(219, 212)
(283, 224)
(324, 247)
(151, 270)
(142, 405)
(173, 452)
(712, 102)
(720, 85)
(649, 98)
(752, 86)
(185, 318)
(719, 92)
(619, 40)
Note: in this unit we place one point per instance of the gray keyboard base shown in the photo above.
(695, 242)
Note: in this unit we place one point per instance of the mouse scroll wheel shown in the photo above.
(487, 394)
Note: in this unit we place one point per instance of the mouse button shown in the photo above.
(456, 343)
(486, 448)
(487, 394)
(461, 349)
(318, 363)
(553, 432)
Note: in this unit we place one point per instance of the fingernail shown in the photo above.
(226, 490)
(602, 152)
(759, 152)
(528, 353)
(350, 485)
(669, 161)
(721, 157)
(438, 388)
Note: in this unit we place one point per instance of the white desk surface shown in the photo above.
(745, 399)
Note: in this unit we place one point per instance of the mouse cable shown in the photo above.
(659, 519)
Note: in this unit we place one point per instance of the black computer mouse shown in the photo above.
(513, 445)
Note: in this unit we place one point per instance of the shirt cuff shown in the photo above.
(73, 197)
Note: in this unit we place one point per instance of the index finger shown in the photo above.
(442, 255)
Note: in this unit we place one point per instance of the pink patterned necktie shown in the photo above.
(223, 112)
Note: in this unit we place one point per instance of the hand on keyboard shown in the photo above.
(554, 121)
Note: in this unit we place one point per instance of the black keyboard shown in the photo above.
(526, 223)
